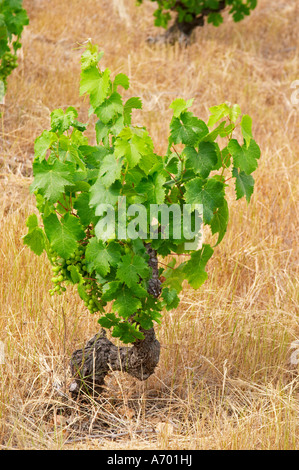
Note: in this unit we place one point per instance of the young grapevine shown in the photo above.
(96, 201)
(13, 18)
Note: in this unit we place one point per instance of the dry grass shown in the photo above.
(225, 380)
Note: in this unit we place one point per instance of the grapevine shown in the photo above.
(13, 18)
(190, 13)
(78, 186)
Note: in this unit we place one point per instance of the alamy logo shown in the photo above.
(161, 221)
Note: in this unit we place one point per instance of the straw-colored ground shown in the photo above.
(225, 378)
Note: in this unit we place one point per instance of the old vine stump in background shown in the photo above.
(91, 364)
(181, 31)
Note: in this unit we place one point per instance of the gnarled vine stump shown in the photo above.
(181, 31)
(91, 364)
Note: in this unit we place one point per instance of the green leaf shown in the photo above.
(97, 257)
(110, 170)
(131, 269)
(188, 130)
(122, 80)
(60, 121)
(126, 304)
(97, 85)
(109, 320)
(132, 103)
(43, 143)
(243, 157)
(90, 57)
(153, 188)
(210, 194)
(244, 184)
(63, 235)
(170, 297)
(219, 221)
(204, 160)
(51, 180)
(84, 211)
(215, 18)
(194, 269)
(246, 125)
(235, 112)
(110, 108)
(180, 105)
(126, 332)
(132, 145)
(217, 113)
(99, 194)
(174, 277)
(35, 238)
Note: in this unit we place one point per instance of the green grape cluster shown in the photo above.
(62, 268)
(8, 64)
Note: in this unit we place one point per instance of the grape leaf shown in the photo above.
(97, 257)
(60, 121)
(43, 143)
(84, 211)
(219, 221)
(153, 188)
(187, 129)
(110, 170)
(63, 235)
(125, 303)
(95, 84)
(194, 269)
(131, 269)
(122, 80)
(218, 112)
(210, 194)
(110, 108)
(132, 103)
(204, 160)
(35, 238)
(171, 298)
(127, 332)
(180, 105)
(132, 146)
(246, 125)
(51, 180)
(244, 184)
(99, 194)
(243, 157)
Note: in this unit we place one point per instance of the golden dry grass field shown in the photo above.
(225, 378)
